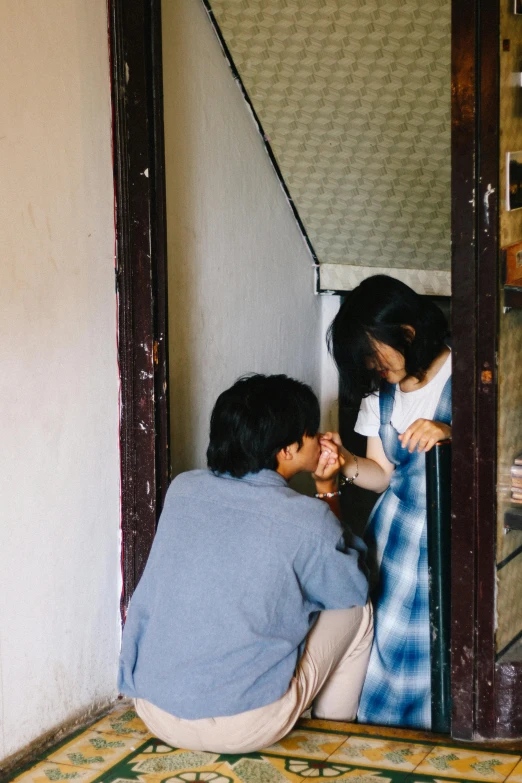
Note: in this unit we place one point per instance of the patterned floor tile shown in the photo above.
(154, 762)
(327, 770)
(373, 731)
(260, 769)
(94, 750)
(203, 775)
(274, 769)
(123, 720)
(307, 744)
(516, 775)
(119, 749)
(189, 771)
(156, 757)
(468, 764)
(48, 772)
(415, 778)
(381, 753)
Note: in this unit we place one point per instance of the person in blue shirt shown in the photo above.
(253, 605)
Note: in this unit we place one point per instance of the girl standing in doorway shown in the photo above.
(389, 346)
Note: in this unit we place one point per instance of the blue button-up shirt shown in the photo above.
(238, 570)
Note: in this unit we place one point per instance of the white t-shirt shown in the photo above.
(407, 407)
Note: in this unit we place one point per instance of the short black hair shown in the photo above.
(379, 309)
(257, 417)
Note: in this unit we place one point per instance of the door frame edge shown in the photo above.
(141, 275)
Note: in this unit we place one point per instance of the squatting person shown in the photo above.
(253, 605)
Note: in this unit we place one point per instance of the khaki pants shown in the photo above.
(330, 676)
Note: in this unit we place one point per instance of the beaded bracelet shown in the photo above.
(322, 495)
(344, 479)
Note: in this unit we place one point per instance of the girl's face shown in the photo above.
(389, 363)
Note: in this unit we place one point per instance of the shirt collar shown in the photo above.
(265, 478)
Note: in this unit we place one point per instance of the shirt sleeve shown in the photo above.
(369, 419)
(331, 575)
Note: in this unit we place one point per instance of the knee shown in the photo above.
(367, 620)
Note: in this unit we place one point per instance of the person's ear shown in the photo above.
(409, 332)
(287, 453)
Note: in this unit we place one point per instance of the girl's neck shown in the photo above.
(410, 383)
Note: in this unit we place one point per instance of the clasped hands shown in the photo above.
(330, 461)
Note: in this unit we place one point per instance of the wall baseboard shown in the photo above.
(29, 753)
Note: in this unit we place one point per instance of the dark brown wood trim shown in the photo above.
(464, 292)
(140, 274)
(508, 688)
(488, 280)
(475, 286)
(159, 267)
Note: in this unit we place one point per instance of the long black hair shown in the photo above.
(380, 309)
(257, 417)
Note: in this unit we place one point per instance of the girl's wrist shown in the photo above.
(446, 430)
(345, 453)
(350, 469)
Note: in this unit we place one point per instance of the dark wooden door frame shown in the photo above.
(141, 276)
(475, 280)
(135, 43)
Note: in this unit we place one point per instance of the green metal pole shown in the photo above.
(438, 487)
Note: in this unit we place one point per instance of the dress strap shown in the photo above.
(386, 400)
(443, 412)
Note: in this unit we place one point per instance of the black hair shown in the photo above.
(380, 309)
(257, 417)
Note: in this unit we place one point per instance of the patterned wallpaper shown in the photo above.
(509, 601)
(509, 597)
(510, 118)
(355, 99)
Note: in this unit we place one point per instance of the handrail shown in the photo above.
(438, 488)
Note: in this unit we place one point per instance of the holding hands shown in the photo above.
(330, 463)
(374, 471)
(331, 460)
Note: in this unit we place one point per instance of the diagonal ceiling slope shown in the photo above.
(354, 98)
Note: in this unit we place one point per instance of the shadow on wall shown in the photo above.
(241, 279)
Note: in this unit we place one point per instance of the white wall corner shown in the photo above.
(329, 389)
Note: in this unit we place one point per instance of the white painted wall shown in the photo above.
(329, 390)
(59, 476)
(240, 276)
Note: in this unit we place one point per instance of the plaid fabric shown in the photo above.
(397, 689)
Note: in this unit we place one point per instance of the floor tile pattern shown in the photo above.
(119, 749)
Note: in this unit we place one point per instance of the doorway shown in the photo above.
(143, 279)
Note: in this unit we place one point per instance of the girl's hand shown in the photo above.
(373, 471)
(332, 440)
(423, 434)
(329, 465)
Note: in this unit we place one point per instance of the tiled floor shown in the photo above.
(119, 749)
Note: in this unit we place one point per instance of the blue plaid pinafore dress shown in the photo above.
(397, 689)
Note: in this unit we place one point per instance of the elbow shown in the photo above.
(383, 486)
